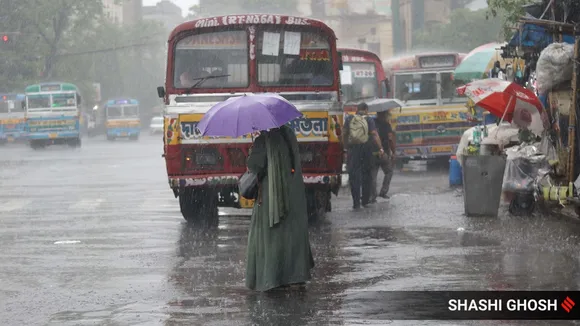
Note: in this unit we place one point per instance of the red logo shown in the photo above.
(567, 304)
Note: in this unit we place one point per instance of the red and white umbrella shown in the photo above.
(508, 100)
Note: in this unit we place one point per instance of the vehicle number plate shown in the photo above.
(441, 149)
(411, 151)
(124, 134)
(10, 138)
(52, 136)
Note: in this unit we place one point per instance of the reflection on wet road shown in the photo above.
(93, 236)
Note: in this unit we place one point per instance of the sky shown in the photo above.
(183, 4)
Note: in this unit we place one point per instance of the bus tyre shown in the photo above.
(75, 142)
(199, 206)
(110, 138)
(134, 137)
(317, 203)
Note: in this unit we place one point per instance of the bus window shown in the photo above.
(416, 87)
(114, 112)
(449, 89)
(308, 64)
(39, 101)
(63, 100)
(364, 82)
(130, 111)
(212, 54)
(7, 106)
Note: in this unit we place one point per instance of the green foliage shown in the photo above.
(465, 31)
(510, 10)
(71, 41)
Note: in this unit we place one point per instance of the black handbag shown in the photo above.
(249, 185)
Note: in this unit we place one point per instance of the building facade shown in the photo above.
(126, 13)
(166, 12)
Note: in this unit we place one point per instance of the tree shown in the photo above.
(52, 22)
(510, 10)
(465, 31)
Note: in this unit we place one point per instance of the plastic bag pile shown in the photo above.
(555, 65)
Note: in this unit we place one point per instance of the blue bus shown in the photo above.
(12, 123)
(122, 119)
(53, 113)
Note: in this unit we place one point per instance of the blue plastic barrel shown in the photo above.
(455, 173)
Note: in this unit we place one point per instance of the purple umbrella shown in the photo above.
(242, 115)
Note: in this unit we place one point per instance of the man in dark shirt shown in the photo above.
(385, 161)
(359, 159)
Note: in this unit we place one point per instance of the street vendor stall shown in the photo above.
(515, 105)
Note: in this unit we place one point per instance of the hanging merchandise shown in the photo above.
(519, 76)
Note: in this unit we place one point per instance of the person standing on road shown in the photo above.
(358, 136)
(384, 162)
(279, 252)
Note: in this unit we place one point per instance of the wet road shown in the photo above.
(93, 236)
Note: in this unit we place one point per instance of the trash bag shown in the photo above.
(555, 65)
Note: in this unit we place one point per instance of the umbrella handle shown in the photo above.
(503, 116)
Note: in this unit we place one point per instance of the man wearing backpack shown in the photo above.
(358, 136)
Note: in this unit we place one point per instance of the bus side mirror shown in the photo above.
(339, 60)
(161, 92)
(23, 104)
(79, 101)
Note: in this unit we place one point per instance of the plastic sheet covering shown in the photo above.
(525, 167)
(555, 65)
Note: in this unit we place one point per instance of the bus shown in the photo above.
(122, 119)
(234, 55)
(435, 116)
(53, 114)
(12, 126)
(362, 78)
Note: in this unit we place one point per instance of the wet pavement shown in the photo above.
(93, 236)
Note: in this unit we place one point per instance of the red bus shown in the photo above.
(362, 78)
(240, 54)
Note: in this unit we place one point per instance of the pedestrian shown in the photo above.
(279, 253)
(384, 162)
(359, 134)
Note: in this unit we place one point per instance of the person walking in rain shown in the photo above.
(384, 162)
(358, 136)
(279, 253)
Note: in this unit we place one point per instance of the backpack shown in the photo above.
(358, 130)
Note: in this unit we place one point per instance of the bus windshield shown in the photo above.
(122, 111)
(39, 101)
(212, 54)
(10, 106)
(131, 111)
(359, 81)
(423, 87)
(289, 57)
(63, 100)
(114, 111)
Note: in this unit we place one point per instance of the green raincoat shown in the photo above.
(278, 246)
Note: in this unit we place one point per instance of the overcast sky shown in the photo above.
(183, 4)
